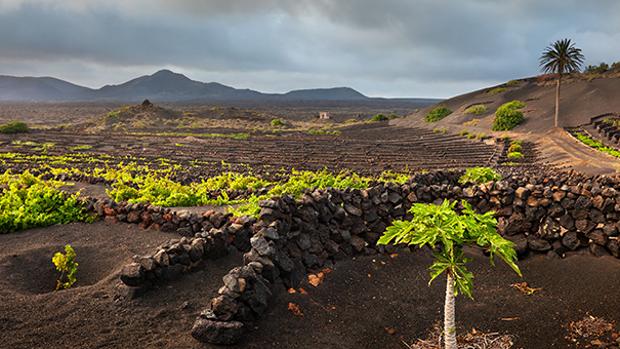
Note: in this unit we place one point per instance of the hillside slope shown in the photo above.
(581, 100)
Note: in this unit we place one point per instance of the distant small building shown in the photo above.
(324, 115)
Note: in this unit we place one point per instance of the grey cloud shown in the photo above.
(390, 47)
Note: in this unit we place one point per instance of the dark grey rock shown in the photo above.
(132, 275)
(539, 245)
(217, 332)
(570, 240)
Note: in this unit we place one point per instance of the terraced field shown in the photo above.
(367, 148)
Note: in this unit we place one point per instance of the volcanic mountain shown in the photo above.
(163, 86)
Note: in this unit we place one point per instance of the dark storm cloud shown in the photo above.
(390, 47)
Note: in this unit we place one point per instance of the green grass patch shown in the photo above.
(323, 132)
(237, 136)
(437, 114)
(80, 147)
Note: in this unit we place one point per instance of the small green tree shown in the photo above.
(446, 232)
(67, 266)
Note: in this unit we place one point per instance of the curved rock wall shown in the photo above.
(554, 214)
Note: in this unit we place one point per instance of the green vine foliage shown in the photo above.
(67, 265)
(27, 201)
(479, 175)
(446, 232)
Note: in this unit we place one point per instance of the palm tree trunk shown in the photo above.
(449, 322)
(557, 99)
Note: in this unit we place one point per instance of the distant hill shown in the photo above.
(163, 86)
(40, 89)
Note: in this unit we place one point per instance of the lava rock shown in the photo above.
(217, 332)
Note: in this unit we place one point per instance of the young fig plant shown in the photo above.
(67, 266)
(446, 232)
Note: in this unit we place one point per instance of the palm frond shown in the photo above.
(561, 57)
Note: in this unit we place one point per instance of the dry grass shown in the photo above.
(593, 332)
(472, 340)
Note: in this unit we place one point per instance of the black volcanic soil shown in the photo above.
(90, 315)
(350, 309)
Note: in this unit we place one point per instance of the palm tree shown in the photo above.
(560, 58)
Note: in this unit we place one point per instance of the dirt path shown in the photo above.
(563, 151)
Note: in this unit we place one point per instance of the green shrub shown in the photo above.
(514, 147)
(441, 130)
(508, 116)
(437, 114)
(476, 109)
(379, 117)
(277, 123)
(14, 127)
(515, 155)
(497, 90)
(479, 175)
(597, 69)
(512, 83)
(67, 266)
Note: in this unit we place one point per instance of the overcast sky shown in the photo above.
(391, 48)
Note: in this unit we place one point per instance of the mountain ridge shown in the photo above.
(162, 86)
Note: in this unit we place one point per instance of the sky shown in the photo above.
(386, 48)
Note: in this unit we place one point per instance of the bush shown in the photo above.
(277, 123)
(514, 155)
(379, 117)
(437, 114)
(67, 266)
(514, 147)
(497, 90)
(481, 136)
(476, 109)
(14, 127)
(508, 116)
(513, 83)
(597, 69)
(479, 175)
